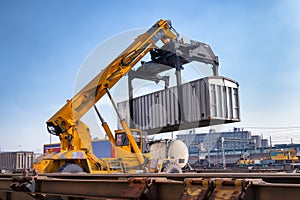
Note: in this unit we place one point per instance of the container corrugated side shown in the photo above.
(206, 101)
(8, 161)
(16, 161)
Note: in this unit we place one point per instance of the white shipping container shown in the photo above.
(207, 101)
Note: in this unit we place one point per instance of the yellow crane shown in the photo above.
(76, 153)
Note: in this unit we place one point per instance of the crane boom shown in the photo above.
(70, 114)
(66, 123)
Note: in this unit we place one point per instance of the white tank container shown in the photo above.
(175, 149)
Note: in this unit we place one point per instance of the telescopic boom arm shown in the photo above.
(66, 122)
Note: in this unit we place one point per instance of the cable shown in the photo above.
(283, 127)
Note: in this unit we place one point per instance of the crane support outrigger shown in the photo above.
(76, 149)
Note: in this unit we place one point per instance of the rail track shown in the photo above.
(249, 186)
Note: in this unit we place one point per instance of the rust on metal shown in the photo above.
(196, 188)
(136, 187)
(153, 186)
(229, 189)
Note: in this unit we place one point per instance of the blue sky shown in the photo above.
(44, 43)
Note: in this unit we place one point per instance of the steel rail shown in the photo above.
(146, 186)
(268, 177)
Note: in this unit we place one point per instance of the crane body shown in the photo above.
(76, 153)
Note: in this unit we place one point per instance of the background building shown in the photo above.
(210, 146)
(256, 139)
(265, 143)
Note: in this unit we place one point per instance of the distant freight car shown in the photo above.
(102, 148)
(15, 162)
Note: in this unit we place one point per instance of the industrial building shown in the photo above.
(214, 147)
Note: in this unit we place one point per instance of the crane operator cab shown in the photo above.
(123, 142)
